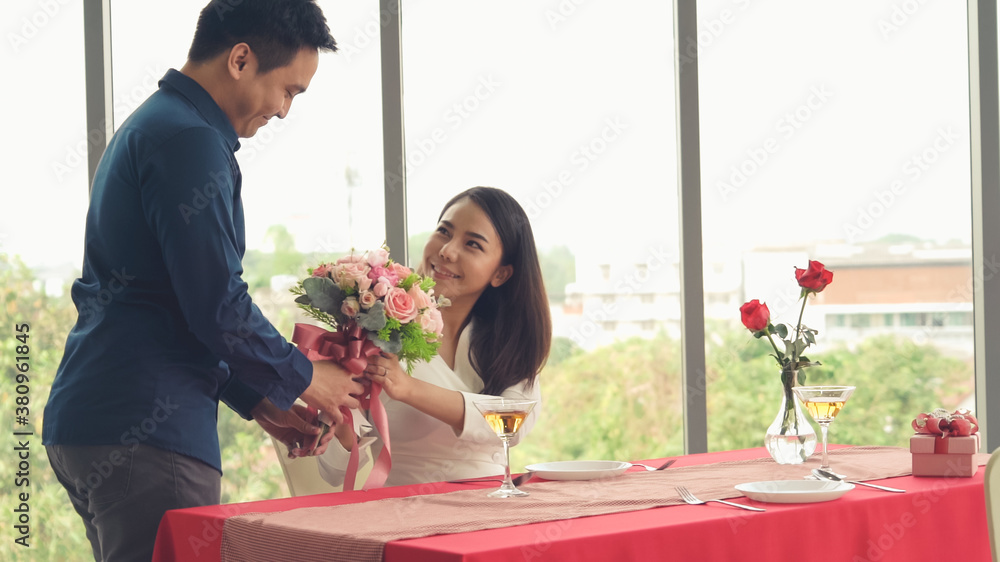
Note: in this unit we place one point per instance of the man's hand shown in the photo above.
(332, 387)
(298, 428)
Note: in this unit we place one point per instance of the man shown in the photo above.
(166, 328)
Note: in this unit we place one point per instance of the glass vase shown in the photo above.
(790, 439)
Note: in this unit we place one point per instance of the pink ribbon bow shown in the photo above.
(349, 347)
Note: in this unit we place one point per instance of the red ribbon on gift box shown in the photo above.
(350, 347)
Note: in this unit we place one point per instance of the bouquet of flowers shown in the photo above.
(372, 296)
(373, 304)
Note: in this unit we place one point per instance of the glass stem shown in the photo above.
(826, 462)
(507, 482)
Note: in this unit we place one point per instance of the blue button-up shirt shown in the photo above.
(166, 328)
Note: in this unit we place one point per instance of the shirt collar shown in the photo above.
(203, 102)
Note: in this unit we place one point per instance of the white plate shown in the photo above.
(578, 470)
(794, 491)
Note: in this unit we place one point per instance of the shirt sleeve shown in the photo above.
(240, 398)
(191, 200)
(475, 427)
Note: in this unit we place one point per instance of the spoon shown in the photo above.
(824, 475)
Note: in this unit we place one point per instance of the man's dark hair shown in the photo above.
(275, 30)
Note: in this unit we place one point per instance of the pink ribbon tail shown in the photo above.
(350, 475)
(350, 347)
(382, 466)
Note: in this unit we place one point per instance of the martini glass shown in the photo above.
(505, 416)
(824, 403)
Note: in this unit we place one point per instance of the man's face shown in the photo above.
(259, 97)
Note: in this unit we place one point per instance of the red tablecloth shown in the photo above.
(937, 519)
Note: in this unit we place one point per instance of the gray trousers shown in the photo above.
(122, 492)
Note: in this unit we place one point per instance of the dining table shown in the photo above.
(635, 515)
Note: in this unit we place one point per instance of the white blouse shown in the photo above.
(425, 449)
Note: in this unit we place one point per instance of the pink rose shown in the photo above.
(350, 307)
(378, 258)
(378, 273)
(381, 288)
(353, 258)
(431, 321)
(420, 298)
(401, 271)
(355, 274)
(323, 270)
(367, 299)
(400, 305)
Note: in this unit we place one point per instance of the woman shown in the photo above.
(496, 338)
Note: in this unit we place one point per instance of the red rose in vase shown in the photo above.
(815, 277)
(755, 315)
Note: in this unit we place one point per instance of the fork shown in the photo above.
(655, 468)
(689, 498)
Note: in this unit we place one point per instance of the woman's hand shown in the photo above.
(385, 370)
(441, 403)
(344, 432)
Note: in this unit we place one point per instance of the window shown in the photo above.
(573, 115)
(860, 320)
(843, 161)
(959, 319)
(44, 184)
(312, 179)
(591, 127)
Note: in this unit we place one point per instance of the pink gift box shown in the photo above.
(934, 455)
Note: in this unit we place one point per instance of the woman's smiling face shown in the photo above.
(464, 254)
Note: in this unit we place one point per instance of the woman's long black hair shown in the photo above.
(513, 330)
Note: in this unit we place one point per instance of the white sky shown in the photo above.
(539, 81)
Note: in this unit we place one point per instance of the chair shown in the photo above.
(301, 474)
(991, 484)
